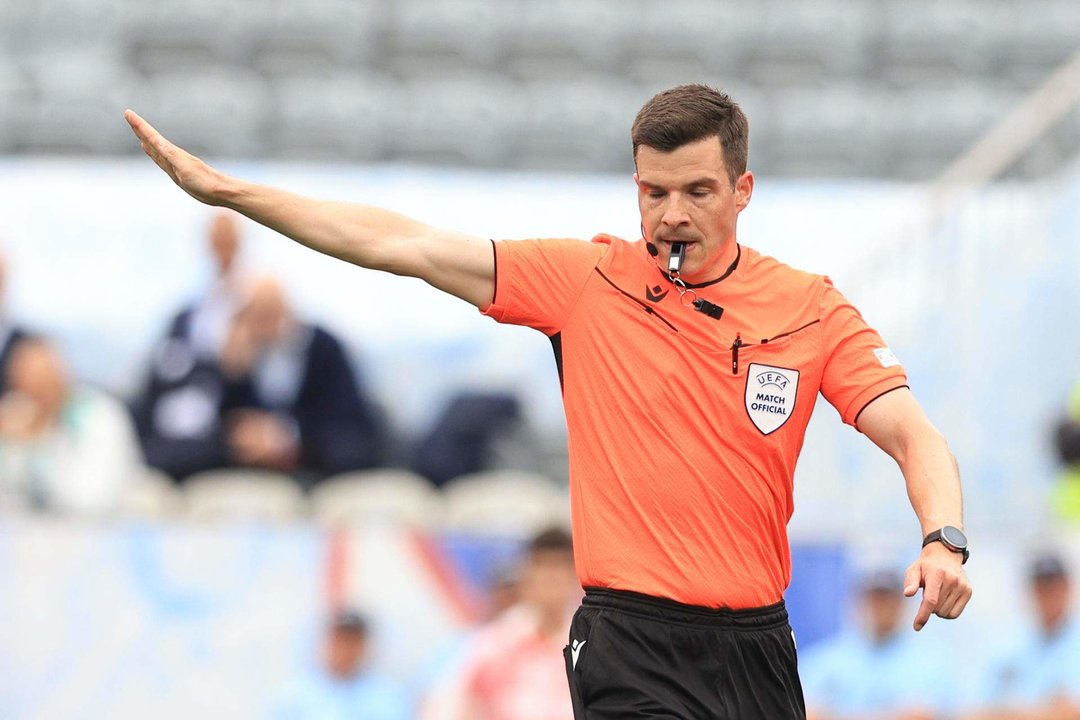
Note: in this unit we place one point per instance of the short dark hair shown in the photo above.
(689, 113)
(553, 538)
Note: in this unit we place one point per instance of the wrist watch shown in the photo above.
(952, 538)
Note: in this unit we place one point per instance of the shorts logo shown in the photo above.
(770, 396)
(575, 650)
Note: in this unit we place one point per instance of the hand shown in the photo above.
(194, 177)
(946, 590)
(262, 439)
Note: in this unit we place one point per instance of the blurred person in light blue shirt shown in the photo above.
(876, 670)
(345, 689)
(1039, 678)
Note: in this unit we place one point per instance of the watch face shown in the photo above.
(953, 536)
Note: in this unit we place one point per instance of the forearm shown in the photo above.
(359, 234)
(932, 477)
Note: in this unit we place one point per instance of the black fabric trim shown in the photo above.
(556, 347)
(648, 308)
(495, 279)
(855, 422)
(790, 332)
(731, 269)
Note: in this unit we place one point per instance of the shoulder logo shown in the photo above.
(770, 396)
(653, 293)
(886, 357)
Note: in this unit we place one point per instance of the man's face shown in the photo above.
(687, 196)
(882, 612)
(345, 650)
(549, 581)
(1052, 599)
(224, 242)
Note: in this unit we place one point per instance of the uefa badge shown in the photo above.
(770, 396)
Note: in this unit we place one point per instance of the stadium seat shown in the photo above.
(243, 495)
(152, 496)
(390, 496)
(227, 119)
(333, 117)
(504, 503)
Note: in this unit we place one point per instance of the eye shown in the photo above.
(699, 192)
(656, 193)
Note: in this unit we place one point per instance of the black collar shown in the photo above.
(731, 268)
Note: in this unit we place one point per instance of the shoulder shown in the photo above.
(764, 270)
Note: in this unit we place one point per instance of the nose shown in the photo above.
(675, 212)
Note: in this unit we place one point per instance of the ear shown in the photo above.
(637, 180)
(744, 188)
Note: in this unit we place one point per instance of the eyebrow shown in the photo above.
(711, 182)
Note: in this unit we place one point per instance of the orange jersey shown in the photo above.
(684, 429)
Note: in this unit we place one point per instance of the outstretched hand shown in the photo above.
(946, 590)
(194, 177)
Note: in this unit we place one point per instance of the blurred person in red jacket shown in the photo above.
(64, 447)
(513, 668)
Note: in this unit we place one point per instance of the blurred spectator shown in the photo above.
(282, 395)
(204, 325)
(178, 411)
(876, 671)
(10, 333)
(345, 689)
(294, 400)
(513, 668)
(62, 447)
(1067, 439)
(1040, 678)
(461, 440)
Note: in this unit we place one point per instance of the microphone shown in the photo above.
(652, 248)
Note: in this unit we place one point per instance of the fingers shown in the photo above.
(153, 143)
(931, 598)
(951, 606)
(912, 580)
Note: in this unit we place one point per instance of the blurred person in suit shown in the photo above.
(513, 668)
(203, 325)
(344, 688)
(281, 395)
(875, 670)
(1038, 678)
(177, 412)
(64, 447)
(293, 400)
(10, 333)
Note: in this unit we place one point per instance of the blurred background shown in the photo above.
(239, 479)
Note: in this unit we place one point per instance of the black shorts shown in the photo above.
(636, 656)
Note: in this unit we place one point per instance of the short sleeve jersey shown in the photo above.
(684, 429)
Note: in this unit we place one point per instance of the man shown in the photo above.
(281, 395)
(177, 410)
(512, 668)
(344, 688)
(876, 670)
(689, 366)
(292, 400)
(1039, 679)
(64, 448)
(10, 333)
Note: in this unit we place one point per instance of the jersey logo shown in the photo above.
(575, 650)
(770, 396)
(654, 294)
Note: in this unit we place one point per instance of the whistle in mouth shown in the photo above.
(678, 252)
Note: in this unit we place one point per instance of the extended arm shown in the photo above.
(460, 264)
(897, 424)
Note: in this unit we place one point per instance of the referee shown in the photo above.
(690, 365)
